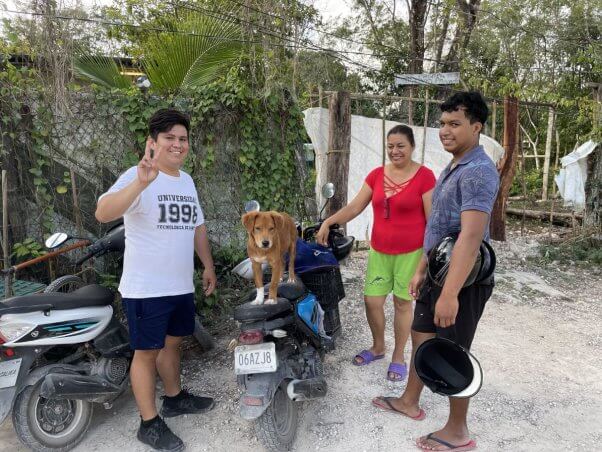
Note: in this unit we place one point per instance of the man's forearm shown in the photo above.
(114, 205)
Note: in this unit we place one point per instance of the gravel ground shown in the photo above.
(539, 343)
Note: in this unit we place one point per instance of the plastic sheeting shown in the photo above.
(367, 153)
(573, 175)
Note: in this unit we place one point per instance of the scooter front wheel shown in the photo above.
(50, 424)
(277, 426)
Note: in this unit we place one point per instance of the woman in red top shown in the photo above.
(400, 193)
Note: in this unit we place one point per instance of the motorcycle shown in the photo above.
(278, 361)
(59, 354)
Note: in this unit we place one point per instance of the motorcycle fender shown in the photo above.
(7, 396)
(262, 386)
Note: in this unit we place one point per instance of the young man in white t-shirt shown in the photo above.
(164, 225)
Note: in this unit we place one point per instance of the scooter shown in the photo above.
(59, 354)
(278, 361)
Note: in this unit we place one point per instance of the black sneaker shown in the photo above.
(185, 403)
(160, 437)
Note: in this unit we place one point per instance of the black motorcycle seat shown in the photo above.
(290, 290)
(87, 296)
(251, 312)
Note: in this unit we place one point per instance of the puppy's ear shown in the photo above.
(278, 220)
(248, 220)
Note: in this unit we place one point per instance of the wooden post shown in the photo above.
(548, 154)
(320, 96)
(339, 145)
(384, 132)
(411, 107)
(493, 119)
(76, 210)
(8, 278)
(498, 216)
(425, 124)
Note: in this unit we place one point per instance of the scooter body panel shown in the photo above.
(58, 327)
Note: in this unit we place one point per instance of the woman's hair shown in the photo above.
(403, 130)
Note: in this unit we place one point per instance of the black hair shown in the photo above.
(163, 120)
(473, 104)
(403, 130)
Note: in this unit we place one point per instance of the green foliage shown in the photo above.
(587, 250)
(533, 182)
(27, 249)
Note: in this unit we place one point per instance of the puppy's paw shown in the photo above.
(291, 280)
(270, 301)
(257, 301)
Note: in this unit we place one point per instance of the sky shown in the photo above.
(330, 9)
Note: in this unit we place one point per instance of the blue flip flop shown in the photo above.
(367, 357)
(400, 372)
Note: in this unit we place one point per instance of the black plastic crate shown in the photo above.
(326, 285)
(332, 322)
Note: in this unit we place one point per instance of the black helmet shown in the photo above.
(447, 368)
(341, 245)
(439, 258)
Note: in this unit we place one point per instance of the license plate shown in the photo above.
(255, 359)
(9, 371)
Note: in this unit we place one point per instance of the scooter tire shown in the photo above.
(276, 428)
(27, 412)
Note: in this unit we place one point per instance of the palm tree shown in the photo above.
(191, 51)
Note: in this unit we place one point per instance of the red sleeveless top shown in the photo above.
(400, 220)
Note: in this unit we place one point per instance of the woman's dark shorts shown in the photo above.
(472, 301)
(151, 319)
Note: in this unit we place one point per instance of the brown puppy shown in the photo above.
(271, 235)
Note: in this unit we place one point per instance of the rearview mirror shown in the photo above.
(328, 190)
(56, 239)
(252, 206)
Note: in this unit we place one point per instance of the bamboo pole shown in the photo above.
(5, 242)
(384, 126)
(548, 154)
(493, 119)
(425, 124)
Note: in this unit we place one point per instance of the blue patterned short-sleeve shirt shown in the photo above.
(471, 185)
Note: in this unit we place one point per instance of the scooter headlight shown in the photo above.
(12, 331)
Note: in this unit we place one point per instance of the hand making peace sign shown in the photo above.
(148, 169)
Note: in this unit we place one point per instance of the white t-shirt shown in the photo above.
(159, 236)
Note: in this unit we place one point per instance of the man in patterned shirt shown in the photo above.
(462, 203)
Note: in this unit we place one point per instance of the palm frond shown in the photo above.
(197, 52)
(101, 70)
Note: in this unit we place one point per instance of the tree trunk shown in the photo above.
(497, 227)
(468, 11)
(339, 143)
(417, 22)
(593, 190)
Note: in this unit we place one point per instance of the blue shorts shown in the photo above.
(151, 319)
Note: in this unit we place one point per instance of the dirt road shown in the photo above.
(539, 343)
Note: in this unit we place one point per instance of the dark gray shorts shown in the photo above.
(472, 301)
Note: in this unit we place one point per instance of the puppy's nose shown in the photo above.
(265, 243)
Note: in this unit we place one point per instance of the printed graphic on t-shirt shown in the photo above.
(177, 212)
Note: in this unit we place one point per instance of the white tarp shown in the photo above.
(367, 151)
(573, 175)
